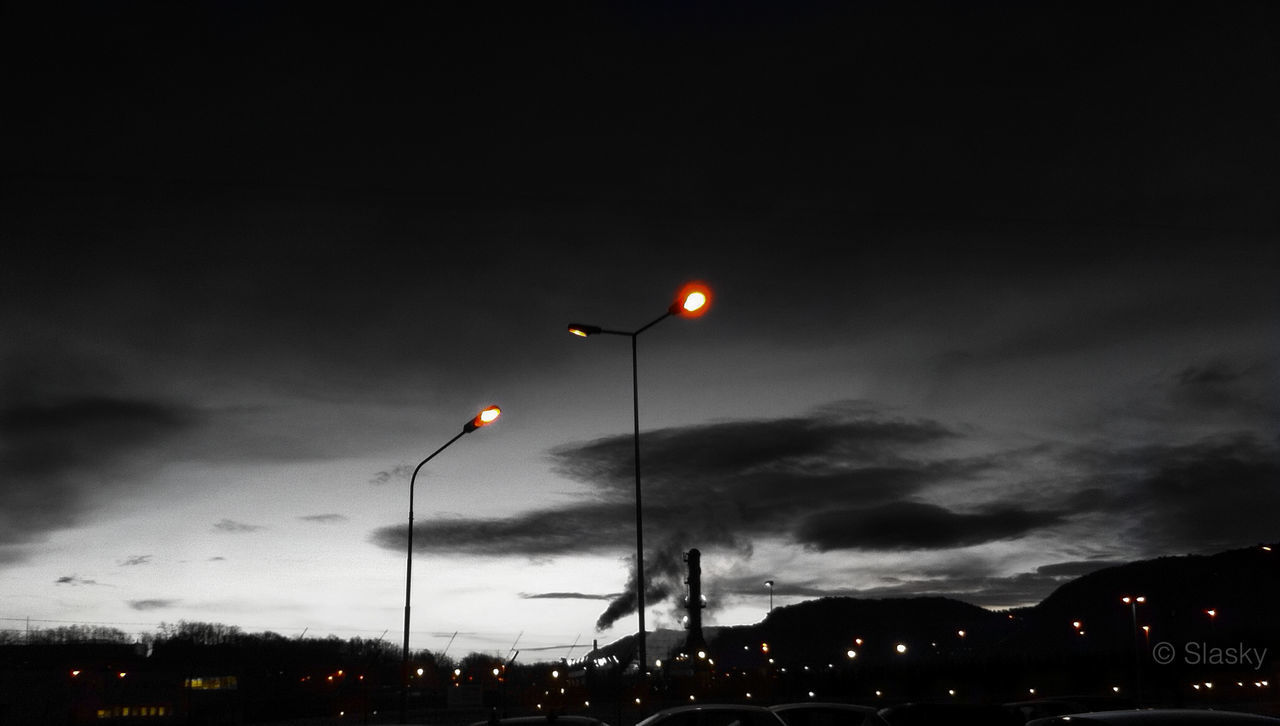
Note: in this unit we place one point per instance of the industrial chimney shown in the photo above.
(694, 642)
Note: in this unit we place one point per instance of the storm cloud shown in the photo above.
(715, 483)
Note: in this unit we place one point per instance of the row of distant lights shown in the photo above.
(880, 694)
(1208, 685)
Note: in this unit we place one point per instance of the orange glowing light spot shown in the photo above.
(692, 300)
(578, 332)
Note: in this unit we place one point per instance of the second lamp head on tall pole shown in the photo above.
(691, 301)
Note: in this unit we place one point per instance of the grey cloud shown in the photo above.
(713, 484)
(155, 604)
(234, 527)
(1209, 374)
(1075, 569)
(1239, 387)
(134, 560)
(916, 525)
(566, 596)
(576, 528)
(75, 581)
(45, 442)
(396, 473)
(822, 444)
(976, 585)
(1212, 494)
(324, 518)
(716, 484)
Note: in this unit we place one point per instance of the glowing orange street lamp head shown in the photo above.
(582, 330)
(484, 418)
(692, 300)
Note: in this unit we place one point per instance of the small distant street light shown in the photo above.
(901, 648)
(769, 584)
(484, 418)
(691, 301)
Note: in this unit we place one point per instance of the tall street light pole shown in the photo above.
(1133, 602)
(484, 418)
(769, 584)
(690, 302)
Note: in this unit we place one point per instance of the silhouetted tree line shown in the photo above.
(65, 634)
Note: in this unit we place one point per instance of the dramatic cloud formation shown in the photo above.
(850, 478)
(721, 483)
(807, 480)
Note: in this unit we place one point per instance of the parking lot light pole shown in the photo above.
(691, 302)
(484, 418)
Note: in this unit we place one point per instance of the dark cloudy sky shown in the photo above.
(994, 304)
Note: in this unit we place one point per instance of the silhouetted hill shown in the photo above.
(1241, 586)
(824, 630)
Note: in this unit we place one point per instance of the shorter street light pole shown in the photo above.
(484, 418)
(769, 584)
(690, 302)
